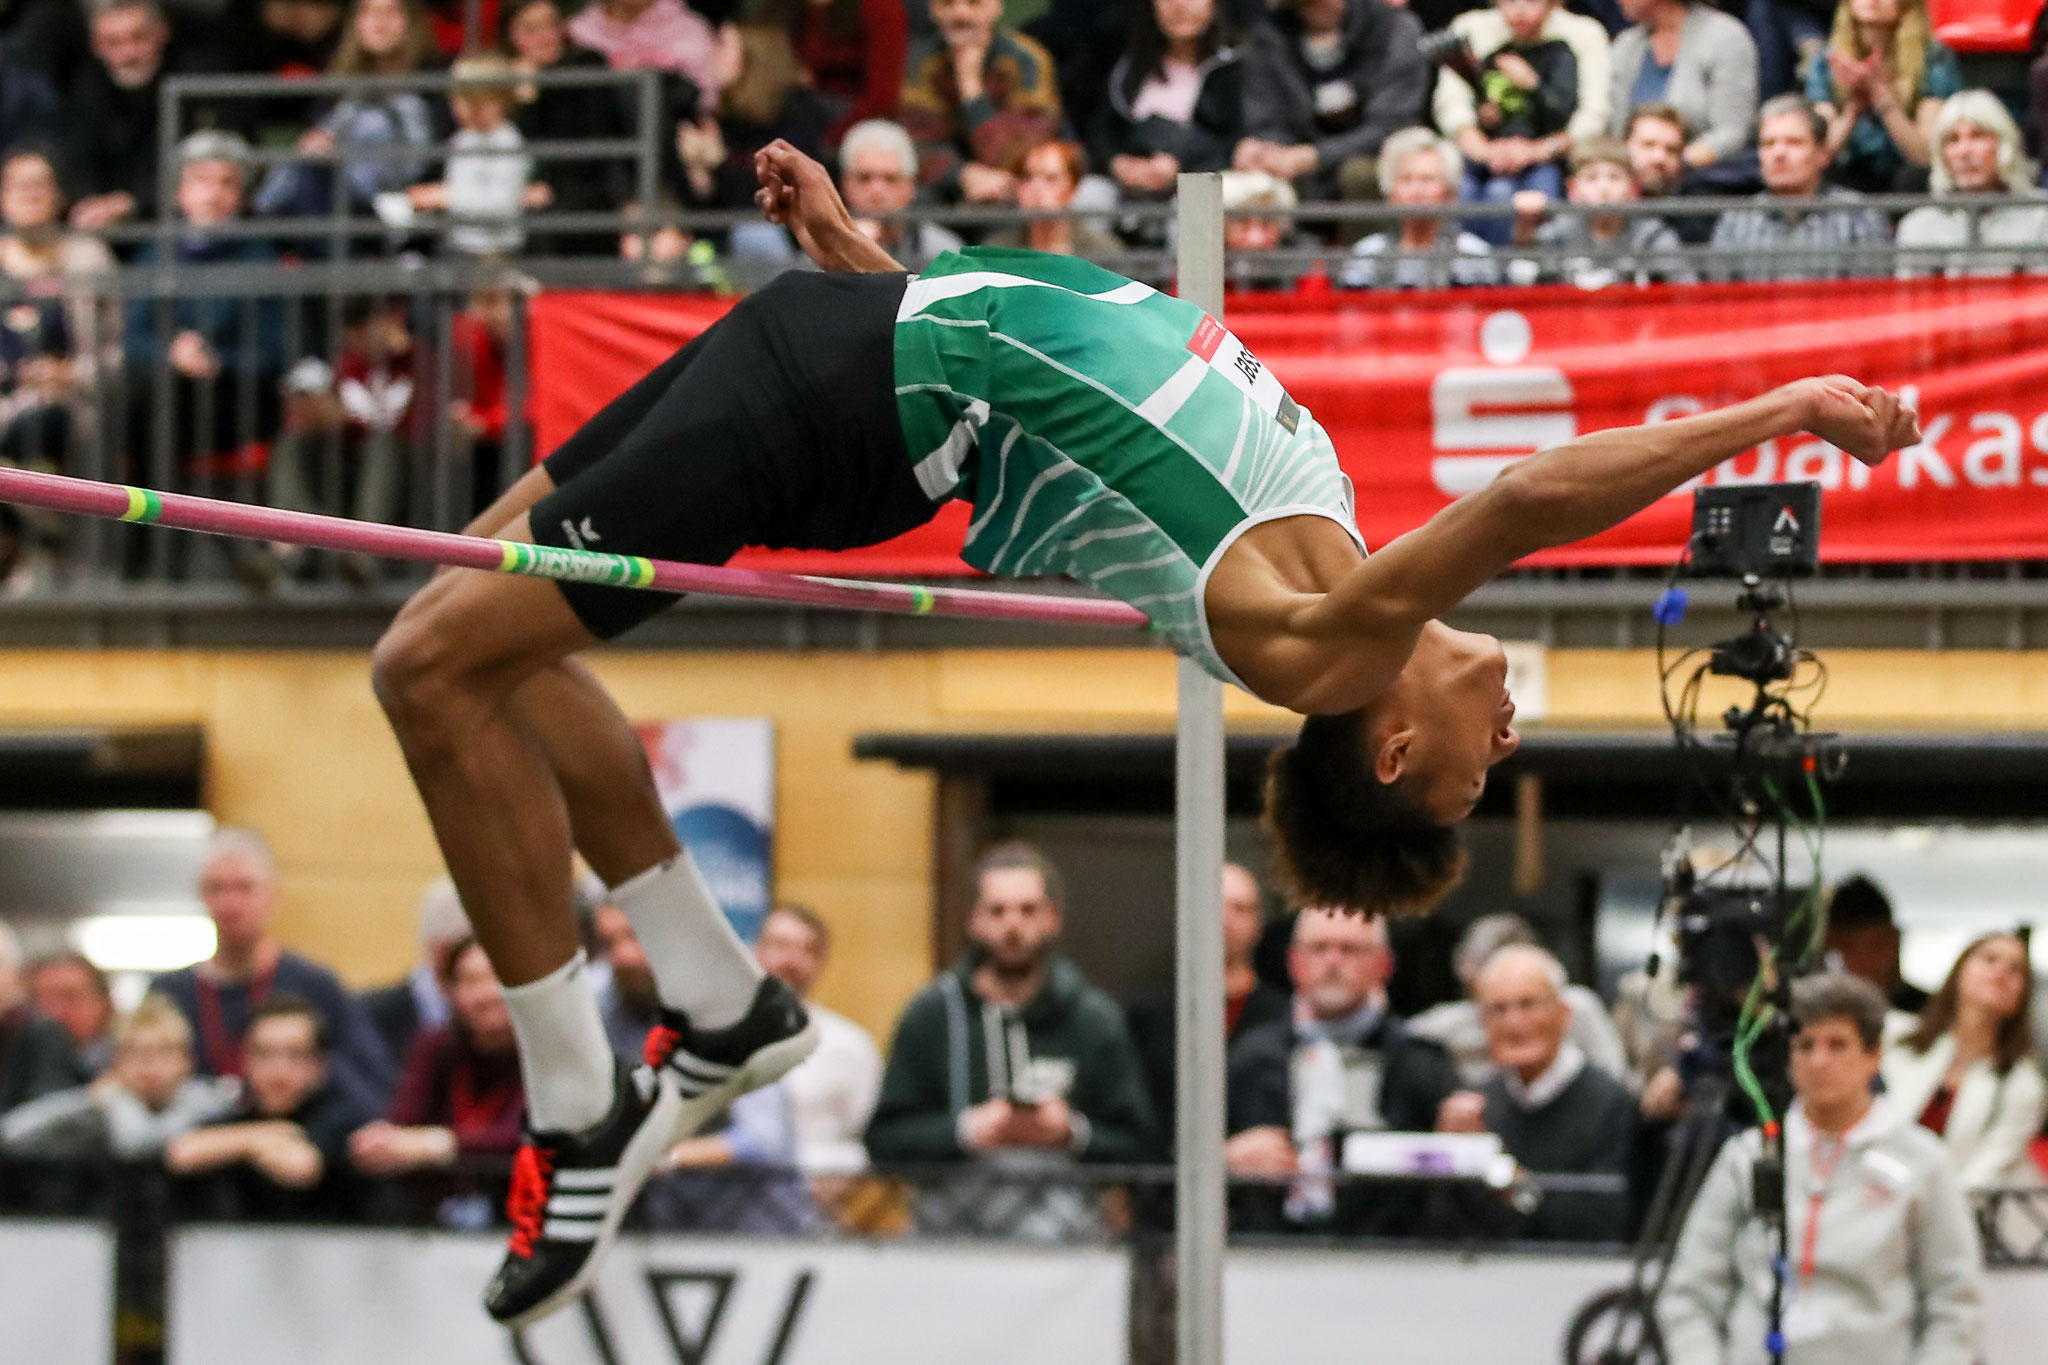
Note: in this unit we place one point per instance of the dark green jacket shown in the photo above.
(953, 1050)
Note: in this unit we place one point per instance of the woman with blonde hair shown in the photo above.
(1978, 150)
(1965, 1069)
(1879, 85)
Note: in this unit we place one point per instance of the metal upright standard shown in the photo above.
(1199, 1227)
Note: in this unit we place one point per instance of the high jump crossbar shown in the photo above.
(215, 516)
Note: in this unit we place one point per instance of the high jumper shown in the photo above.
(1100, 429)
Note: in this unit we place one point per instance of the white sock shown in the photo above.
(700, 965)
(563, 1056)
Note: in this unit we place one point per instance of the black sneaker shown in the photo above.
(569, 1191)
(713, 1067)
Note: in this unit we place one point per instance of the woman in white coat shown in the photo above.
(1964, 1068)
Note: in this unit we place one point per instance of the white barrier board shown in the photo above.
(250, 1297)
(56, 1292)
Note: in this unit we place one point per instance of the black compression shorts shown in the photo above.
(777, 427)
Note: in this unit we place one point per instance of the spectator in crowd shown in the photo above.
(489, 177)
(70, 988)
(1419, 169)
(1326, 84)
(147, 1096)
(661, 35)
(282, 1153)
(1696, 59)
(1880, 89)
(1656, 136)
(222, 996)
(1175, 99)
(975, 95)
(1772, 243)
(361, 411)
(1864, 936)
(1977, 150)
(1964, 1069)
(36, 1056)
(1539, 82)
(460, 1093)
(1047, 175)
(383, 38)
(538, 39)
(403, 1009)
(1591, 249)
(853, 53)
(1554, 1112)
(1248, 1002)
(833, 1091)
(480, 410)
(1459, 1026)
(1888, 1270)
(1251, 241)
(878, 170)
(1011, 1059)
(28, 102)
(1085, 37)
(1341, 1064)
(110, 114)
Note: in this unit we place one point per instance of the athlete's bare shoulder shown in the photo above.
(1261, 602)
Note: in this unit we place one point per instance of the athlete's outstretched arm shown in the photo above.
(797, 193)
(1554, 498)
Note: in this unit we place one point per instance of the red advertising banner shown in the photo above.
(1428, 396)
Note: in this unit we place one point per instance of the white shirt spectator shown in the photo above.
(834, 1093)
(1458, 259)
(1993, 1117)
(487, 175)
(1454, 1026)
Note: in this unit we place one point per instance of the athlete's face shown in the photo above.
(1446, 722)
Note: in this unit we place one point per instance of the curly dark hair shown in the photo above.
(1343, 838)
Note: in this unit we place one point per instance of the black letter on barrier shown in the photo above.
(720, 1281)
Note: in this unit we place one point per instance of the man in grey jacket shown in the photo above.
(1883, 1267)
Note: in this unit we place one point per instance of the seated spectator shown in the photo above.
(488, 176)
(460, 1094)
(1459, 1028)
(538, 39)
(878, 171)
(1554, 1112)
(1175, 100)
(1964, 1070)
(661, 35)
(360, 411)
(975, 96)
(1772, 243)
(853, 53)
(1013, 1061)
(1656, 142)
(221, 996)
(1977, 150)
(1048, 175)
(1864, 936)
(1537, 80)
(1695, 59)
(1342, 1064)
(1251, 241)
(833, 1091)
(71, 989)
(1326, 84)
(1880, 90)
(404, 1008)
(383, 38)
(147, 1096)
(1419, 169)
(36, 1056)
(1889, 1271)
(110, 113)
(281, 1155)
(1247, 1001)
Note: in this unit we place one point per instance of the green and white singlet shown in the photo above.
(1101, 429)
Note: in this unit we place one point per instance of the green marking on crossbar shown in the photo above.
(143, 505)
(575, 566)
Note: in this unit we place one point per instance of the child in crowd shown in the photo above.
(1606, 247)
(489, 175)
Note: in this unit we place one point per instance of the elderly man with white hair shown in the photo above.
(406, 1007)
(35, 1053)
(238, 883)
(1419, 170)
(1555, 1113)
(878, 174)
(1978, 149)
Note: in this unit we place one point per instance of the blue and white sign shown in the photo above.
(717, 782)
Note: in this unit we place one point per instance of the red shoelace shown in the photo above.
(661, 1041)
(527, 1204)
